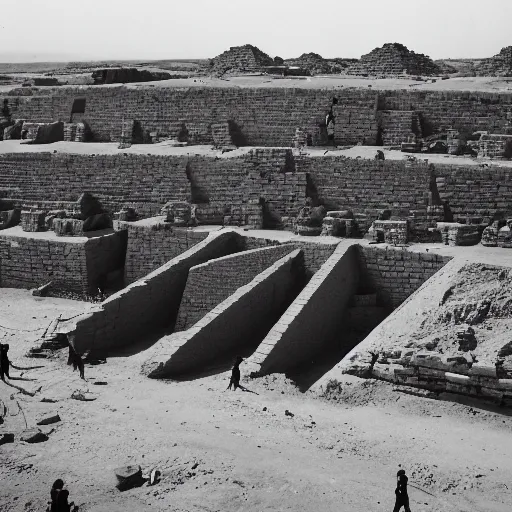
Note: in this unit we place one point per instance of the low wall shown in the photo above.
(315, 254)
(31, 262)
(152, 245)
(314, 318)
(75, 265)
(394, 273)
(234, 326)
(214, 281)
(149, 304)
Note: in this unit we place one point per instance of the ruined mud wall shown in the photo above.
(475, 191)
(394, 273)
(148, 305)
(314, 319)
(367, 186)
(234, 327)
(149, 247)
(214, 281)
(72, 266)
(146, 183)
(260, 116)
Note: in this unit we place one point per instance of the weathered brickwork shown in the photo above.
(77, 266)
(148, 305)
(150, 246)
(472, 191)
(146, 183)
(368, 186)
(396, 274)
(212, 282)
(264, 117)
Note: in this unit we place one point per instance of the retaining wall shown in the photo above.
(233, 327)
(262, 116)
(314, 318)
(141, 309)
(214, 281)
(77, 265)
(395, 273)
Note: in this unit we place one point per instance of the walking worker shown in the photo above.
(402, 498)
(235, 374)
(4, 362)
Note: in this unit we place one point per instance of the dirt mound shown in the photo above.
(394, 59)
(240, 59)
(499, 65)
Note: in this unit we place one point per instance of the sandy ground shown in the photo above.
(225, 451)
(480, 84)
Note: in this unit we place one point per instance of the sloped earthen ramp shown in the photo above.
(233, 327)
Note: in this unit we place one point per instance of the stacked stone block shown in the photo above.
(493, 146)
(455, 234)
(221, 135)
(394, 232)
(499, 65)
(32, 221)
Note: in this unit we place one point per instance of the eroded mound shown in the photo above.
(453, 334)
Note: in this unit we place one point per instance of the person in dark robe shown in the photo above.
(234, 381)
(59, 499)
(402, 498)
(75, 360)
(4, 362)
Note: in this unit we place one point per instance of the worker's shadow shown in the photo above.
(20, 389)
(245, 390)
(23, 378)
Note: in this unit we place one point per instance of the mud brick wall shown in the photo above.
(367, 186)
(394, 273)
(314, 319)
(315, 254)
(73, 266)
(263, 116)
(214, 281)
(148, 305)
(30, 263)
(149, 247)
(397, 126)
(146, 183)
(475, 191)
(454, 109)
(356, 118)
(234, 327)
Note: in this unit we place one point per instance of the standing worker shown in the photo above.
(402, 498)
(330, 122)
(235, 374)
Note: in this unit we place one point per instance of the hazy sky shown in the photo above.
(168, 29)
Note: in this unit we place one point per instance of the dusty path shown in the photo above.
(332, 455)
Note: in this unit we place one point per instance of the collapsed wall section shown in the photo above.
(232, 328)
(147, 305)
(214, 281)
(314, 319)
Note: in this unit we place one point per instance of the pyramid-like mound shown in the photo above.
(499, 65)
(313, 62)
(394, 59)
(240, 59)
